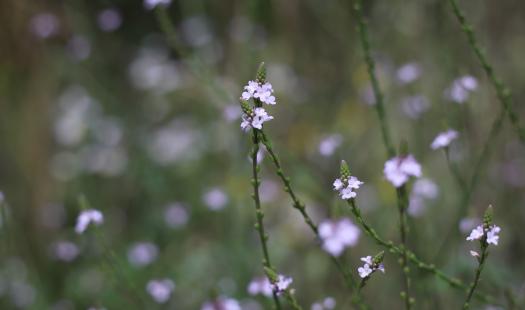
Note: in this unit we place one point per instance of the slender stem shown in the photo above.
(401, 194)
(484, 254)
(455, 172)
(259, 214)
(370, 63)
(455, 283)
(300, 206)
(502, 91)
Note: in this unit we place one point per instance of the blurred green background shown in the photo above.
(95, 102)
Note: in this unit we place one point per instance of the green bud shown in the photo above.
(378, 258)
(261, 74)
(487, 217)
(345, 170)
(271, 274)
(245, 107)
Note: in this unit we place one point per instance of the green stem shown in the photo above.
(370, 64)
(455, 172)
(502, 91)
(259, 214)
(401, 199)
(455, 283)
(300, 206)
(484, 254)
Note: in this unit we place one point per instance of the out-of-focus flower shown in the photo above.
(282, 284)
(231, 112)
(44, 25)
(329, 144)
(338, 235)
(467, 224)
(109, 20)
(176, 215)
(86, 217)
(142, 254)
(326, 304)
(474, 254)
(461, 88)
(408, 72)
(222, 303)
(178, 141)
(260, 285)
(64, 250)
(255, 119)
(443, 139)
(422, 190)
(79, 47)
(22, 294)
(399, 169)
(215, 199)
(197, 32)
(160, 289)
(415, 106)
(151, 4)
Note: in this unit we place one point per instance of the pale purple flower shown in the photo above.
(399, 169)
(422, 190)
(326, 304)
(364, 271)
(408, 73)
(347, 193)
(474, 253)
(329, 144)
(338, 235)
(142, 254)
(492, 235)
(86, 217)
(176, 215)
(443, 139)
(151, 4)
(467, 224)
(44, 25)
(109, 20)
(338, 184)
(461, 88)
(262, 92)
(260, 285)
(65, 250)
(231, 112)
(415, 106)
(249, 90)
(215, 199)
(476, 233)
(222, 303)
(346, 187)
(160, 289)
(369, 267)
(282, 284)
(256, 120)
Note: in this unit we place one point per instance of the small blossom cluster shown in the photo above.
(444, 139)
(336, 235)
(282, 284)
(371, 265)
(86, 217)
(491, 233)
(461, 88)
(222, 303)
(260, 91)
(260, 285)
(398, 170)
(347, 186)
(160, 289)
(326, 304)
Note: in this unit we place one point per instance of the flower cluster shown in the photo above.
(399, 169)
(260, 285)
(338, 235)
(222, 303)
(282, 284)
(371, 265)
(346, 184)
(326, 304)
(86, 217)
(261, 92)
(491, 233)
(461, 88)
(443, 139)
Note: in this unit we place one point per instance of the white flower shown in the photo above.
(369, 267)
(443, 139)
(461, 88)
(86, 217)
(338, 184)
(399, 169)
(476, 233)
(151, 4)
(346, 187)
(338, 235)
(249, 90)
(474, 253)
(262, 92)
(256, 120)
(160, 290)
(408, 73)
(492, 235)
(222, 303)
(364, 271)
(260, 285)
(282, 283)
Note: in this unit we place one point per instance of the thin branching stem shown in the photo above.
(455, 283)
(481, 261)
(259, 214)
(502, 91)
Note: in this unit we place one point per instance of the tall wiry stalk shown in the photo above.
(502, 91)
(259, 214)
(387, 141)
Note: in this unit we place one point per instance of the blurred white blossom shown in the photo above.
(64, 250)
(336, 235)
(151, 4)
(176, 215)
(443, 139)
(160, 289)
(222, 303)
(142, 254)
(408, 72)
(399, 169)
(461, 88)
(215, 199)
(109, 19)
(260, 285)
(44, 25)
(87, 217)
(329, 144)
